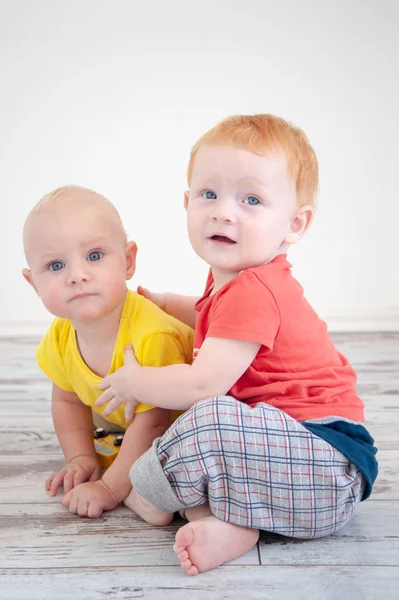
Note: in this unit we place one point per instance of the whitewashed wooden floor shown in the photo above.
(48, 554)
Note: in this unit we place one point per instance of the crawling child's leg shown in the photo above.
(206, 542)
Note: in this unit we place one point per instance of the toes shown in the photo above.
(183, 555)
(186, 564)
(192, 570)
(178, 548)
(184, 536)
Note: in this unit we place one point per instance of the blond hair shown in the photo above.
(263, 133)
(67, 195)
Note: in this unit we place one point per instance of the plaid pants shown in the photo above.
(257, 467)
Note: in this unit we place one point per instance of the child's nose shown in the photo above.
(77, 274)
(224, 211)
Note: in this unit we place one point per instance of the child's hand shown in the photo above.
(90, 499)
(78, 470)
(119, 387)
(158, 299)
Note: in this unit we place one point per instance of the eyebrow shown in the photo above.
(244, 181)
(96, 242)
(93, 243)
(249, 184)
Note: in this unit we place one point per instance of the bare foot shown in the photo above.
(147, 511)
(205, 544)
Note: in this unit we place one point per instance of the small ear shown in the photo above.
(130, 254)
(299, 224)
(186, 198)
(27, 275)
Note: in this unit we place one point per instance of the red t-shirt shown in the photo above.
(297, 368)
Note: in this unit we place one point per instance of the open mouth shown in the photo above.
(223, 239)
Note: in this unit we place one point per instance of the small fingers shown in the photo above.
(57, 480)
(82, 507)
(66, 499)
(80, 476)
(130, 357)
(94, 510)
(104, 384)
(142, 291)
(129, 412)
(48, 482)
(71, 502)
(95, 476)
(112, 405)
(105, 397)
(69, 480)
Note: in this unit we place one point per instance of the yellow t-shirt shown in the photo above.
(157, 338)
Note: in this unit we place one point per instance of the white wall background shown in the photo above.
(112, 95)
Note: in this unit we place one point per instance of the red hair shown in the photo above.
(261, 134)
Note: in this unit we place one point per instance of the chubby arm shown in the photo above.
(218, 365)
(91, 498)
(139, 436)
(179, 306)
(73, 424)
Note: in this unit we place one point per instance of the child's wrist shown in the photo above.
(78, 456)
(117, 491)
(110, 492)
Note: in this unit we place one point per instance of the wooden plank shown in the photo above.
(225, 583)
(371, 538)
(25, 443)
(63, 539)
(331, 551)
(118, 538)
(53, 554)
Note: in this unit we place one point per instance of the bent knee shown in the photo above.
(205, 414)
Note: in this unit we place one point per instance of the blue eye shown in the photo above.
(57, 265)
(251, 201)
(209, 195)
(95, 255)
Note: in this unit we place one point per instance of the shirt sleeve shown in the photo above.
(161, 350)
(245, 310)
(49, 355)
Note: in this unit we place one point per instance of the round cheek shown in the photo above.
(195, 224)
(115, 284)
(52, 300)
(195, 241)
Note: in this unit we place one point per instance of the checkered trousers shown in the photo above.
(259, 468)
